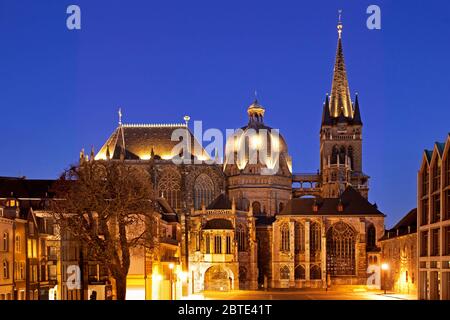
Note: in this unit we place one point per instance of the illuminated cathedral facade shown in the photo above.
(228, 226)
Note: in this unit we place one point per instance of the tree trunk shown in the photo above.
(121, 287)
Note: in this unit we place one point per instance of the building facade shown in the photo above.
(399, 252)
(434, 223)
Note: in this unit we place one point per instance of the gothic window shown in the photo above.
(299, 273)
(284, 245)
(256, 208)
(314, 238)
(5, 241)
(341, 241)
(315, 273)
(299, 237)
(342, 153)
(203, 191)
(241, 238)
(169, 187)
(281, 207)
(371, 237)
(334, 155)
(284, 273)
(217, 244)
(350, 155)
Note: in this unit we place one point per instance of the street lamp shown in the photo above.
(385, 268)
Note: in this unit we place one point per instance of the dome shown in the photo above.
(254, 138)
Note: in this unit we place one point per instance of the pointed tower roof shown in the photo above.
(326, 118)
(357, 113)
(340, 91)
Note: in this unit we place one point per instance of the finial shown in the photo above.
(186, 120)
(120, 116)
(339, 26)
(256, 95)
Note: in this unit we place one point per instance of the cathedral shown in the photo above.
(233, 227)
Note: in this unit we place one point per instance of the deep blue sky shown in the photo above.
(160, 60)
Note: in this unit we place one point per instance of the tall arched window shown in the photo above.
(299, 237)
(241, 238)
(284, 273)
(425, 181)
(169, 187)
(256, 206)
(341, 241)
(284, 245)
(350, 155)
(203, 191)
(299, 273)
(371, 237)
(334, 154)
(208, 244)
(5, 241)
(315, 273)
(314, 238)
(5, 269)
(342, 153)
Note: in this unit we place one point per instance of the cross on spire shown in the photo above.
(120, 116)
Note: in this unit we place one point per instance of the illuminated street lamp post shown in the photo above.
(385, 268)
(171, 266)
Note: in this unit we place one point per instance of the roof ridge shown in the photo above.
(153, 125)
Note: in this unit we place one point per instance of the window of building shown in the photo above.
(424, 218)
(169, 187)
(314, 238)
(218, 244)
(424, 244)
(425, 181)
(341, 242)
(241, 238)
(371, 237)
(203, 191)
(284, 245)
(447, 174)
(447, 209)
(5, 269)
(5, 241)
(436, 175)
(208, 244)
(284, 273)
(299, 273)
(315, 273)
(435, 242)
(447, 241)
(228, 245)
(18, 244)
(256, 206)
(299, 237)
(436, 208)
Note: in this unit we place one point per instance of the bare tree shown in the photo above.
(108, 207)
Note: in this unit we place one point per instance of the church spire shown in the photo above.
(357, 113)
(340, 91)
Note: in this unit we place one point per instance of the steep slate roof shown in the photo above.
(222, 224)
(140, 139)
(353, 204)
(222, 202)
(407, 225)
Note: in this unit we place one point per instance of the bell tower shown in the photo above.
(341, 134)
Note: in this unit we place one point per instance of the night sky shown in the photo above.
(160, 60)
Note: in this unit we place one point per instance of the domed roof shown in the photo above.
(255, 136)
